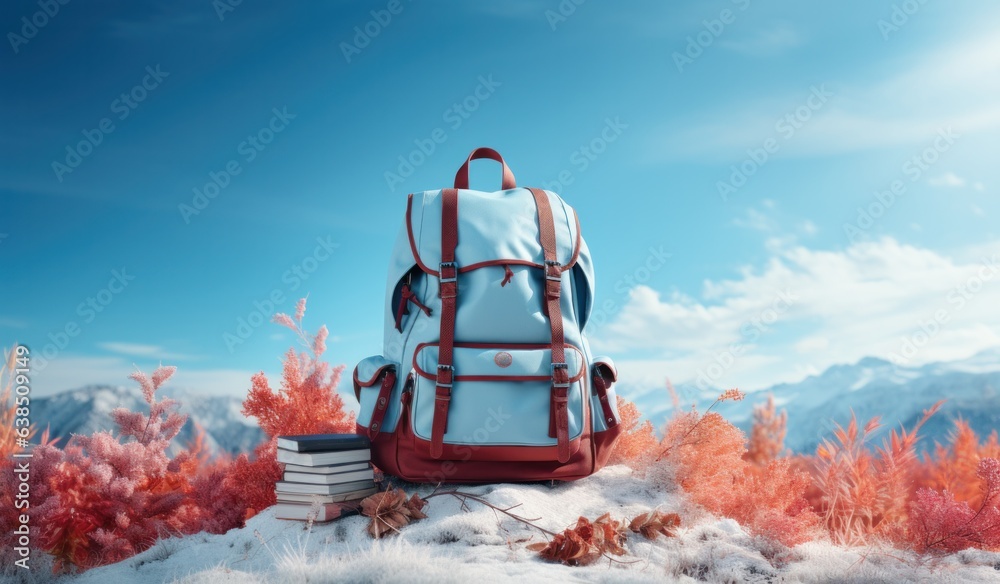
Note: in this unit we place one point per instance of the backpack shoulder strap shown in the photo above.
(448, 290)
(558, 404)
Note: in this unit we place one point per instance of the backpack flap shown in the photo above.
(375, 379)
(500, 400)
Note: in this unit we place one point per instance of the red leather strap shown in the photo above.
(462, 176)
(603, 378)
(558, 405)
(448, 290)
(381, 403)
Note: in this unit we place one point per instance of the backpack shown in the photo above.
(486, 375)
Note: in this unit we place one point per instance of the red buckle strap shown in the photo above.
(560, 381)
(442, 399)
(603, 378)
(448, 280)
(448, 290)
(553, 278)
(382, 403)
(560, 401)
(558, 408)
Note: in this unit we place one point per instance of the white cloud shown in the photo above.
(754, 219)
(808, 309)
(808, 227)
(979, 187)
(948, 179)
(141, 350)
(978, 210)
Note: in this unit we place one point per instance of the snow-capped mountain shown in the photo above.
(871, 387)
(88, 409)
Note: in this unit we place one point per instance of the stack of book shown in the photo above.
(326, 476)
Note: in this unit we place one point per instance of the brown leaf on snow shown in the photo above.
(655, 523)
(390, 511)
(585, 542)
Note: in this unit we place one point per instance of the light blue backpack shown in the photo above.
(486, 374)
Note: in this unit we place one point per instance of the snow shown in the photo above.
(480, 545)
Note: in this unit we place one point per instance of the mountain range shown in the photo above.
(88, 409)
(871, 387)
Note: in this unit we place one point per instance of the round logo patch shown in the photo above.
(503, 359)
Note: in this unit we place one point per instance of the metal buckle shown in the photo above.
(548, 275)
(450, 369)
(553, 370)
(450, 265)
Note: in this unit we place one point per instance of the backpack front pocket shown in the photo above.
(375, 379)
(500, 401)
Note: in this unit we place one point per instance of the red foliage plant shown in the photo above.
(637, 442)
(708, 455)
(767, 435)
(955, 467)
(863, 494)
(306, 403)
(104, 498)
(940, 523)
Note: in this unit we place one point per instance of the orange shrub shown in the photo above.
(637, 442)
(708, 456)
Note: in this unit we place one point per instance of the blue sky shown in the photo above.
(739, 138)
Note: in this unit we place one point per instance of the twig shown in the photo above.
(465, 497)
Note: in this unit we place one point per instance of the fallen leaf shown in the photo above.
(390, 511)
(655, 523)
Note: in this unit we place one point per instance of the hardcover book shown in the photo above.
(323, 458)
(310, 488)
(307, 511)
(323, 442)
(306, 498)
(329, 479)
(327, 469)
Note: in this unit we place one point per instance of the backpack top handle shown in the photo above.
(462, 176)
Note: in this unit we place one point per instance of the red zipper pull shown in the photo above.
(406, 297)
(508, 274)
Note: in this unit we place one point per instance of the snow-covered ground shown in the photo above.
(482, 546)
